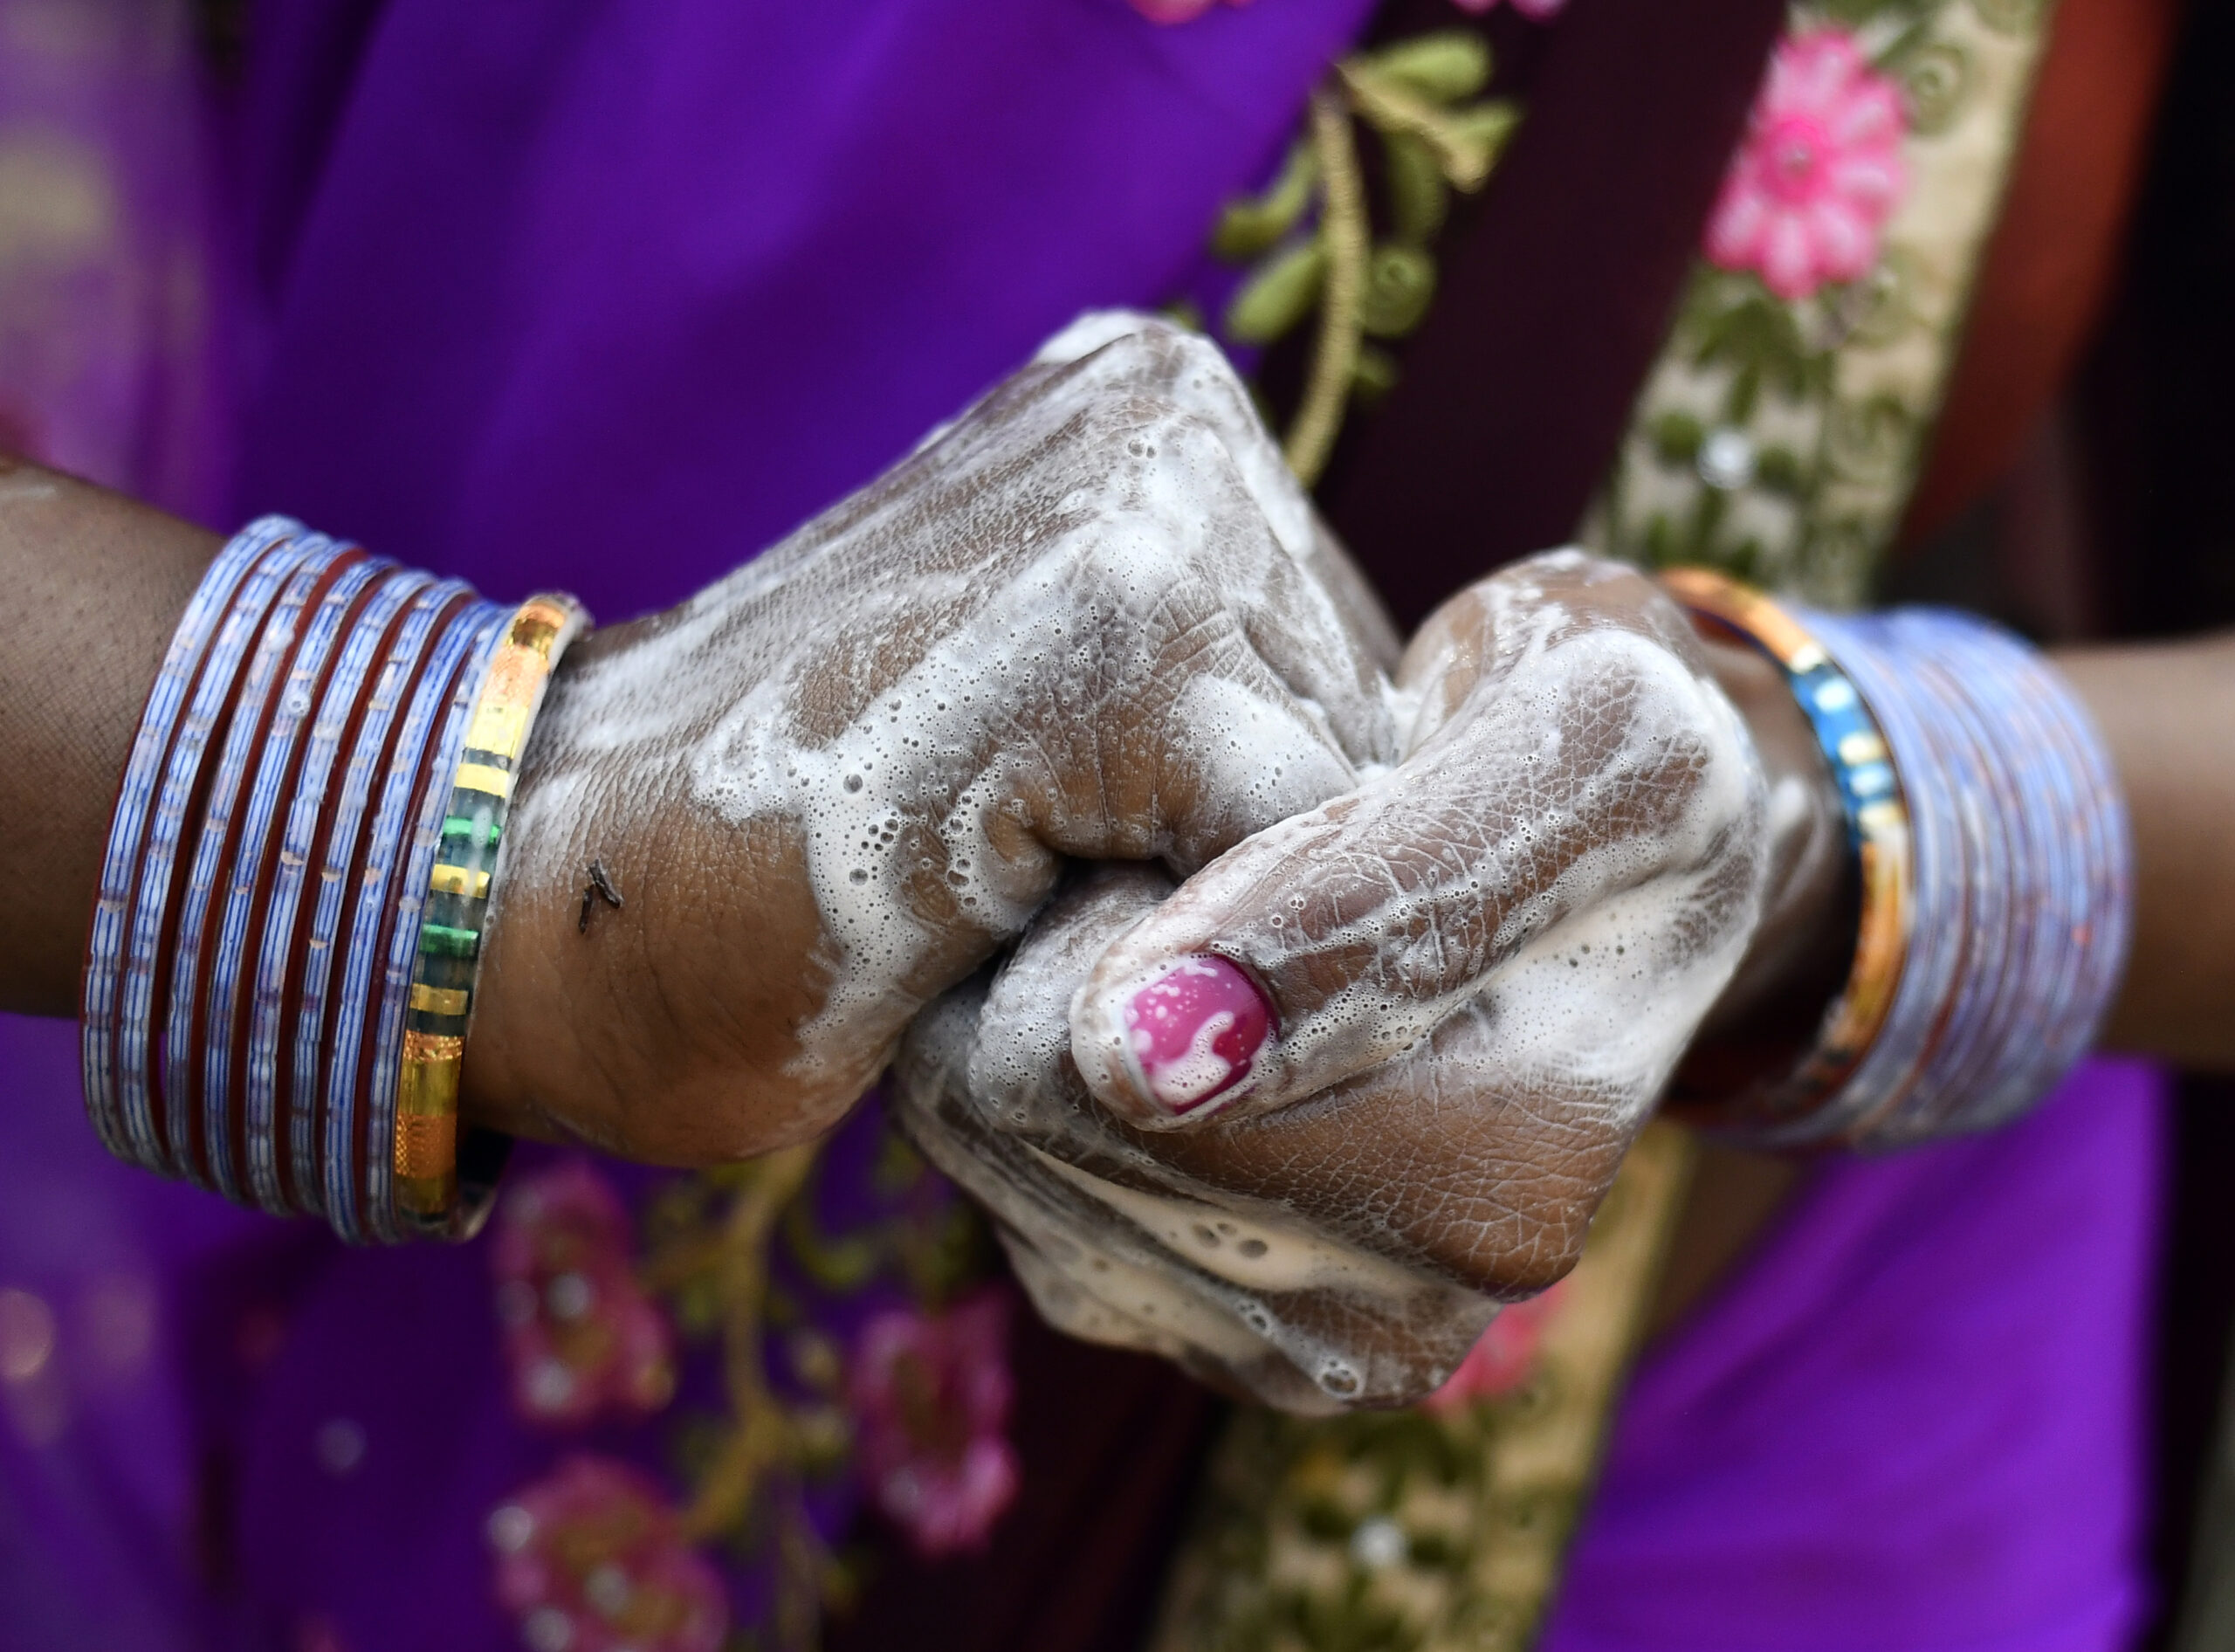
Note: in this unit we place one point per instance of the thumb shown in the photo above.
(1608, 779)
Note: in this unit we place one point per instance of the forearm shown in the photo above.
(95, 584)
(2168, 714)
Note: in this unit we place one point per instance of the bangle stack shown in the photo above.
(270, 884)
(1995, 867)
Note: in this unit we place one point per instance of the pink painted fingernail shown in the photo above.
(1195, 1031)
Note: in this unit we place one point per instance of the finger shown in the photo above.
(1453, 1158)
(1220, 694)
(1477, 1157)
(1114, 1246)
(1308, 612)
(1602, 776)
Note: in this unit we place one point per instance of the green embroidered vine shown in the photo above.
(1309, 240)
(712, 1242)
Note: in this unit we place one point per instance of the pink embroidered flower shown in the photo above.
(1534, 10)
(594, 1560)
(1501, 1358)
(1818, 173)
(580, 1337)
(929, 1395)
(1178, 10)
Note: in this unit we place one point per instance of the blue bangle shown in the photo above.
(259, 904)
(397, 651)
(2024, 863)
(354, 1182)
(101, 1003)
(157, 1137)
(305, 895)
(476, 637)
(266, 876)
(200, 1145)
(2007, 941)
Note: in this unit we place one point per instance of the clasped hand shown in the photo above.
(1354, 1044)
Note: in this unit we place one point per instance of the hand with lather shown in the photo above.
(1299, 1121)
(1399, 969)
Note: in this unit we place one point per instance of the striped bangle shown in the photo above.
(267, 870)
(377, 965)
(1876, 811)
(1995, 863)
(120, 1120)
(438, 1189)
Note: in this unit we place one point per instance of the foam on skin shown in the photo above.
(1117, 1247)
(1090, 616)
(1584, 770)
(1526, 919)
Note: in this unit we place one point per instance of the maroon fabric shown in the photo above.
(1554, 298)
(1112, 1445)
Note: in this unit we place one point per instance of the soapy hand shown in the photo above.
(1578, 820)
(1388, 1053)
(1094, 617)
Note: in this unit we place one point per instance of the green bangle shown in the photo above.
(426, 1146)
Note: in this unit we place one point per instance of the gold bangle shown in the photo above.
(1878, 830)
(426, 1149)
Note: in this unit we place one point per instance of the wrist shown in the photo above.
(1805, 939)
(1991, 866)
(549, 943)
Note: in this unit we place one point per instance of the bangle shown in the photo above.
(425, 1156)
(126, 979)
(267, 870)
(1995, 861)
(1876, 811)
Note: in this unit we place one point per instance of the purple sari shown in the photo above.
(608, 296)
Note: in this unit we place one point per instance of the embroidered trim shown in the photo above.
(1778, 437)
(1442, 1527)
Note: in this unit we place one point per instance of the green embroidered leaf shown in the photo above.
(1778, 470)
(1279, 295)
(1478, 133)
(1676, 438)
(1869, 438)
(1400, 283)
(1255, 224)
(1759, 337)
(1436, 1552)
(1465, 140)
(1418, 198)
(1325, 1521)
(1373, 375)
(1443, 67)
(1934, 82)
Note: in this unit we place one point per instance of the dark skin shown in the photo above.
(100, 582)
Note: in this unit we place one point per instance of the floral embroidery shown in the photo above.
(1818, 173)
(1178, 10)
(1778, 435)
(755, 1278)
(1443, 1525)
(581, 1337)
(594, 1560)
(931, 1395)
(1503, 1358)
